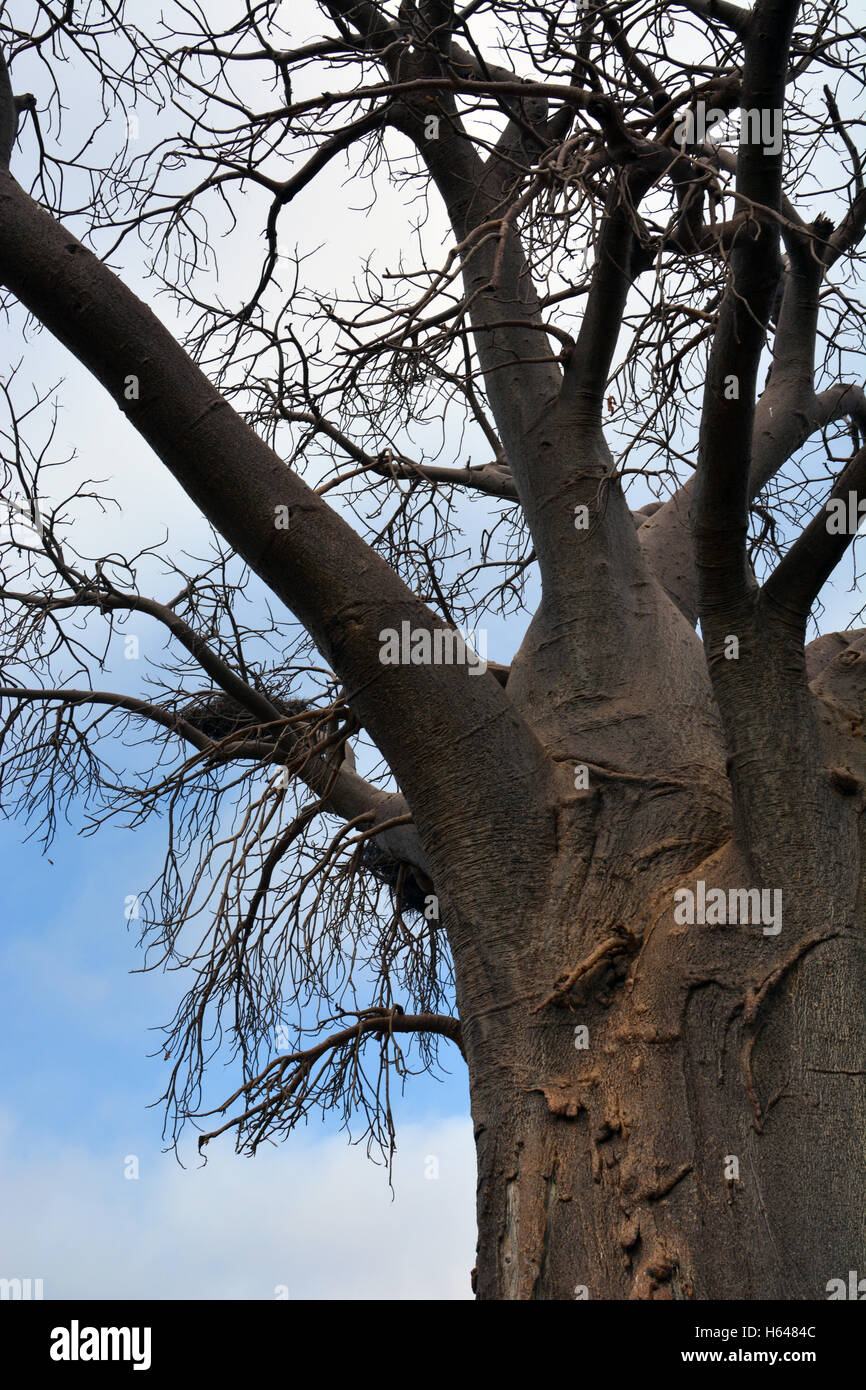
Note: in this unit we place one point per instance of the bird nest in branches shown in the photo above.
(218, 716)
(406, 891)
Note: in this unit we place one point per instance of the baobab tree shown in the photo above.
(619, 878)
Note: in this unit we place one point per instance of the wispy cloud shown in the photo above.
(316, 1216)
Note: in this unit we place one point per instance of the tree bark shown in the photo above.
(696, 1141)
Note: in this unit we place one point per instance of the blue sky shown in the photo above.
(77, 1027)
(315, 1216)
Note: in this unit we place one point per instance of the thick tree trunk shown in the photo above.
(679, 1123)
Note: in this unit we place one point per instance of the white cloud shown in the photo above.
(315, 1215)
